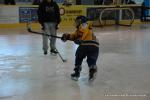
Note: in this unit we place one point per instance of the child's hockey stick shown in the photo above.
(64, 60)
(31, 31)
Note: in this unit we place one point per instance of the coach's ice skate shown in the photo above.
(45, 52)
(54, 51)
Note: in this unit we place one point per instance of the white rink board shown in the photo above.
(9, 14)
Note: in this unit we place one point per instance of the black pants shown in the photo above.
(12, 2)
(89, 51)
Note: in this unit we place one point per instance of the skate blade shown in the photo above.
(74, 78)
(92, 79)
(53, 54)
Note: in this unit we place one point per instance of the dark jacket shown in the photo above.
(48, 12)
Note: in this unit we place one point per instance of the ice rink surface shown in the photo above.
(123, 66)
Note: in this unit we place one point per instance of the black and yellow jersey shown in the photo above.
(85, 34)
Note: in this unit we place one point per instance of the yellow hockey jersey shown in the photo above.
(84, 33)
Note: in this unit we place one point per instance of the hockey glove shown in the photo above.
(65, 37)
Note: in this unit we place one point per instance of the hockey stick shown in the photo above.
(64, 60)
(31, 31)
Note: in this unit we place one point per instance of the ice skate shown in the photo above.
(92, 74)
(54, 51)
(75, 76)
(45, 52)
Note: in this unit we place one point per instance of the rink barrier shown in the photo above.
(68, 14)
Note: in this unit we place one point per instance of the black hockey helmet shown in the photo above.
(80, 20)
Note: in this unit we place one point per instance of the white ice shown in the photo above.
(123, 67)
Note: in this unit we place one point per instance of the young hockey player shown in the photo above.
(88, 47)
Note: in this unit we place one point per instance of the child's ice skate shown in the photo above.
(92, 74)
(75, 76)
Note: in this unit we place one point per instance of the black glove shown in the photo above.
(65, 37)
(56, 26)
(78, 41)
(43, 27)
(42, 24)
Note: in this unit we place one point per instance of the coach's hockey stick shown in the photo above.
(31, 31)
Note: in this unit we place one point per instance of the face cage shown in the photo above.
(77, 22)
